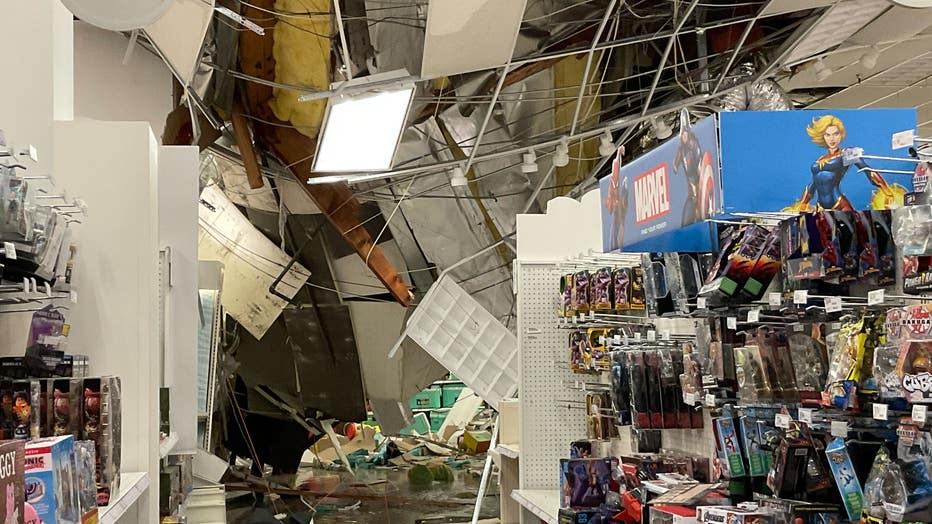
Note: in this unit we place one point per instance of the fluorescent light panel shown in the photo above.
(361, 132)
(837, 25)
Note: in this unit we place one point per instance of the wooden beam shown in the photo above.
(246, 150)
(293, 149)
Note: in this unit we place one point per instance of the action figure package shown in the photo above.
(600, 290)
(753, 384)
(101, 417)
(580, 352)
(801, 512)
(802, 248)
(581, 282)
(760, 460)
(66, 407)
(765, 268)
(567, 308)
(683, 417)
(599, 340)
(600, 420)
(810, 365)
(906, 488)
(85, 459)
(683, 279)
(45, 408)
(846, 241)
(621, 388)
(886, 249)
(637, 298)
(845, 477)
(663, 514)
(670, 396)
(50, 482)
(868, 259)
(584, 483)
(831, 255)
(12, 469)
(600, 515)
(873, 487)
(580, 449)
(729, 444)
(736, 271)
(844, 369)
(640, 409)
(26, 403)
(778, 363)
(654, 400)
(621, 287)
(917, 274)
(912, 227)
(914, 366)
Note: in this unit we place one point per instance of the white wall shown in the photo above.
(105, 89)
(178, 204)
(115, 320)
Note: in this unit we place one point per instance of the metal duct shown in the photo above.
(763, 95)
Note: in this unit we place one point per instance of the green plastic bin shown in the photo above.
(437, 417)
(428, 399)
(451, 392)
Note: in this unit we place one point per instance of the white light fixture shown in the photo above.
(530, 162)
(661, 130)
(869, 59)
(606, 144)
(822, 71)
(458, 177)
(561, 156)
(361, 130)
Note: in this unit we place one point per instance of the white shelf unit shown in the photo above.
(132, 486)
(511, 451)
(543, 503)
(168, 444)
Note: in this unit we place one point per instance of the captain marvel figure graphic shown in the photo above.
(829, 169)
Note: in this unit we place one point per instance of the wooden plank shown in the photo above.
(246, 150)
(336, 201)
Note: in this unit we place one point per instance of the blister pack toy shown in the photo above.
(600, 289)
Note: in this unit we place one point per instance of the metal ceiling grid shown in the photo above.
(836, 25)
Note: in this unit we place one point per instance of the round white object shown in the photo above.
(919, 4)
(118, 15)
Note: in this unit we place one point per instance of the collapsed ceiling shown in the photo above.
(493, 82)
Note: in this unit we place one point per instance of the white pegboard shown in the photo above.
(547, 425)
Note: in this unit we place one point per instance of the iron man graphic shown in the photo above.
(829, 169)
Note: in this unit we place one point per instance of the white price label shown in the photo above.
(9, 250)
(616, 339)
(798, 327)
(754, 315)
(691, 399)
(74, 297)
(702, 303)
(637, 337)
(832, 304)
(775, 299)
(782, 420)
(880, 411)
(805, 415)
(731, 323)
(836, 326)
(800, 296)
(903, 139)
(592, 315)
(664, 334)
(582, 317)
(875, 297)
(839, 428)
(651, 335)
(919, 413)
(601, 340)
(710, 400)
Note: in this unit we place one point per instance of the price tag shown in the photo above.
(875, 297)
(651, 335)
(782, 420)
(637, 337)
(9, 250)
(836, 326)
(805, 415)
(731, 323)
(800, 296)
(798, 327)
(582, 317)
(775, 299)
(592, 315)
(708, 380)
(754, 315)
(701, 303)
(880, 411)
(616, 339)
(839, 428)
(664, 334)
(903, 139)
(624, 340)
(74, 297)
(691, 399)
(710, 400)
(919, 413)
(832, 304)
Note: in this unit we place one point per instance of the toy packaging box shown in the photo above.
(85, 460)
(12, 466)
(50, 483)
(101, 418)
(800, 512)
(584, 483)
(661, 514)
(845, 478)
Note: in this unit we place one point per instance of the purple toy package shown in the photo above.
(581, 292)
(584, 483)
(621, 282)
(600, 288)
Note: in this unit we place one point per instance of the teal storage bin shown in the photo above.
(437, 417)
(451, 392)
(428, 399)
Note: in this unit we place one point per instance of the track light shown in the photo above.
(869, 59)
(530, 162)
(606, 144)
(822, 72)
(661, 130)
(561, 156)
(458, 177)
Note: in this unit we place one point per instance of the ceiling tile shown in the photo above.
(896, 23)
(777, 7)
(853, 97)
(840, 22)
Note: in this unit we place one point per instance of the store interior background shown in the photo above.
(96, 109)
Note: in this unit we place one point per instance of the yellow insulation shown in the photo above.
(302, 57)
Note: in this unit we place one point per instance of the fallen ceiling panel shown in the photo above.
(776, 7)
(488, 29)
(353, 277)
(179, 35)
(251, 263)
(897, 23)
(840, 22)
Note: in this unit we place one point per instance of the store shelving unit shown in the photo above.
(544, 504)
(132, 486)
(512, 451)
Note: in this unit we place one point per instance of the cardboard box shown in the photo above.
(102, 416)
(12, 466)
(50, 480)
(672, 515)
